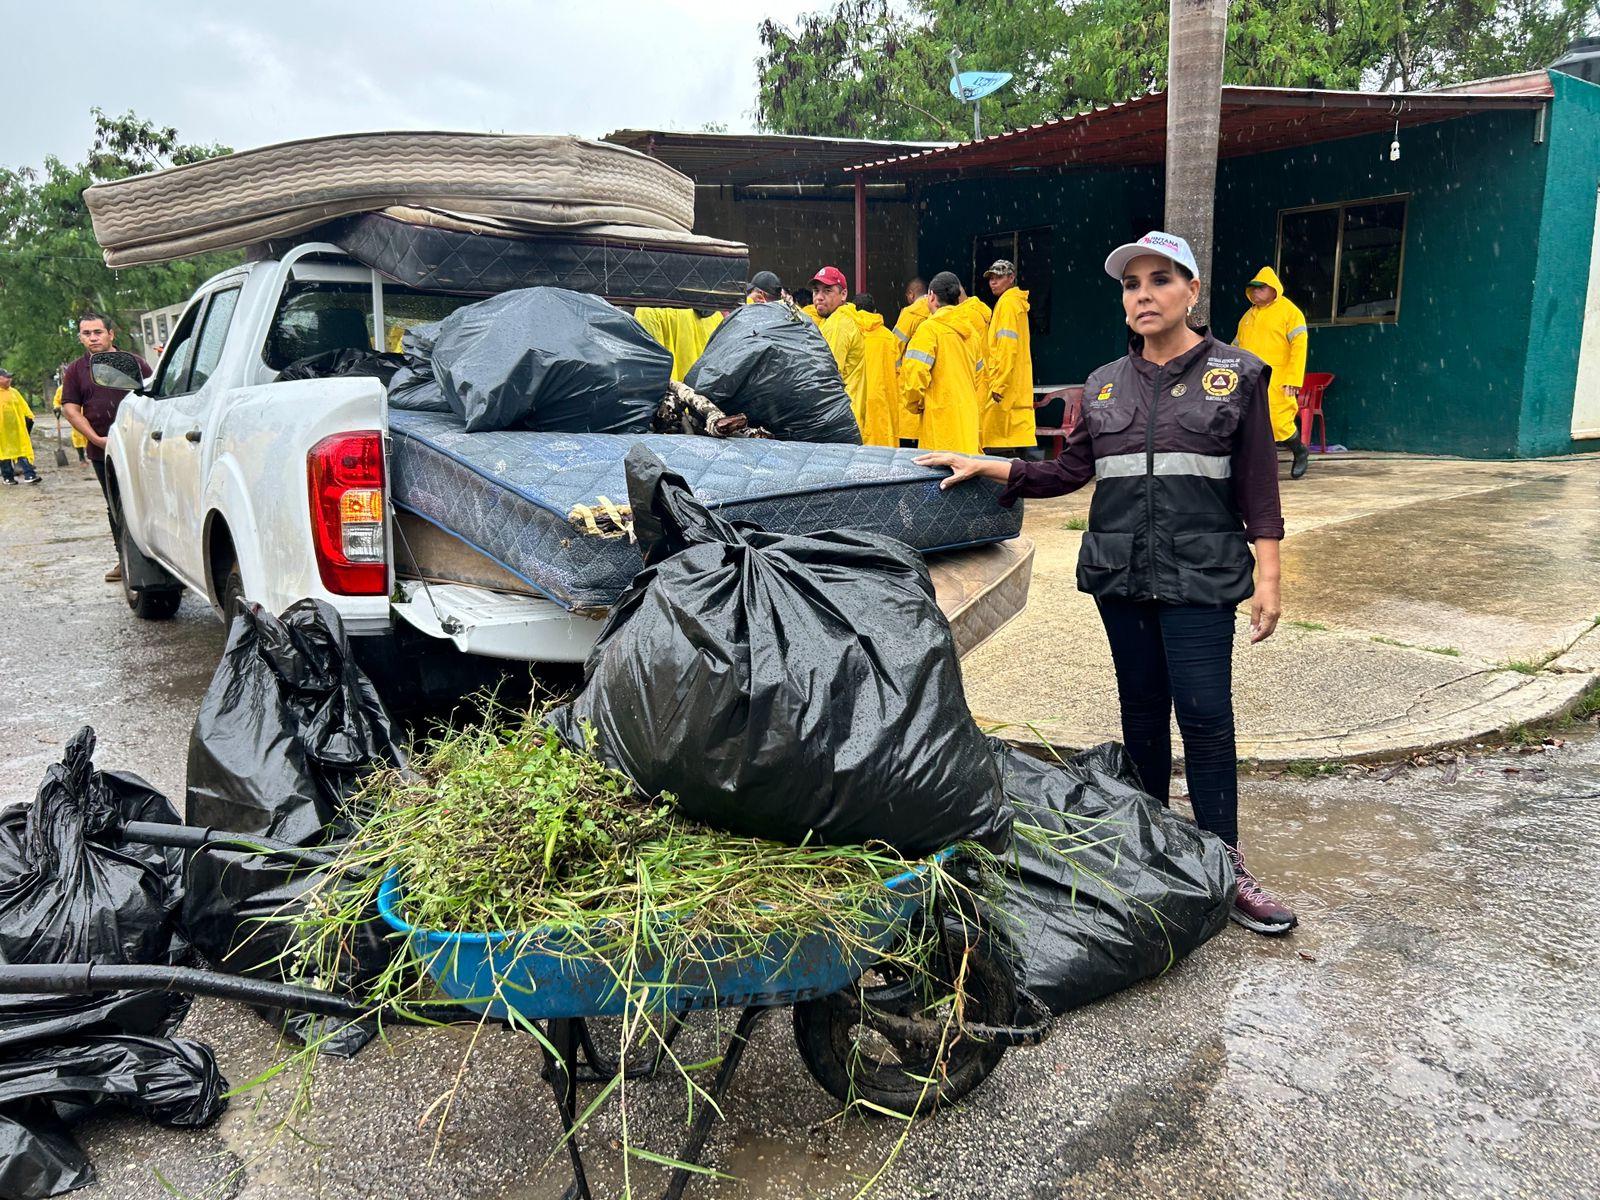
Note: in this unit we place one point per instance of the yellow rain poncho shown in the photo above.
(907, 422)
(78, 439)
(680, 330)
(1276, 334)
(937, 380)
(810, 310)
(15, 416)
(843, 335)
(879, 410)
(975, 314)
(1008, 364)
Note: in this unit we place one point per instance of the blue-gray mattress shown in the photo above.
(508, 495)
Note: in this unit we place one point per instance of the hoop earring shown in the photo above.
(1191, 310)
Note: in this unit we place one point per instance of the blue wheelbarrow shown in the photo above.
(862, 1024)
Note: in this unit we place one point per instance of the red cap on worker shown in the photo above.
(830, 277)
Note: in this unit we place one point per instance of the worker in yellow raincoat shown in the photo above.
(1007, 417)
(79, 442)
(878, 412)
(938, 376)
(16, 422)
(976, 314)
(680, 330)
(841, 332)
(1274, 330)
(913, 314)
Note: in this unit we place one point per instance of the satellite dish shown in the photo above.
(975, 85)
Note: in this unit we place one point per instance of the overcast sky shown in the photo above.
(263, 71)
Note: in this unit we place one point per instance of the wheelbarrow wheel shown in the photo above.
(880, 1042)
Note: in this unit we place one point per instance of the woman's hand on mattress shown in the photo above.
(964, 467)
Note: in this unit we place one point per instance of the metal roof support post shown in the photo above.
(861, 232)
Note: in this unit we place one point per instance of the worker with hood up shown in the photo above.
(913, 314)
(16, 423)
(878, 412)
(1007, 419)
(937, 376)
(839, 329)
(1274, 330)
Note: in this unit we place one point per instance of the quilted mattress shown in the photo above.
(511, 495)
(625, 264)
(240, 199)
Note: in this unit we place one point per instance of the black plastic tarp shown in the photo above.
(287, 732)
(770, 363)
(414, 386)
(546, 359)
(336, 364)
(1122, 888)
(785, 687)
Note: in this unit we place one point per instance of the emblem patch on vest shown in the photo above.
(1105, 393)
(1220, 381)
(1180, 389)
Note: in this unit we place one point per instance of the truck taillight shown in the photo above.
(345, 475)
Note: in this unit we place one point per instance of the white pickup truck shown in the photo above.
(240, 486)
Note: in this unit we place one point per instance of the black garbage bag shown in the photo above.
(288, 728)
(334, 364)
(65, 1057)
(770, 363)
(287, 732)
(551, 360)
(414, 386)
(70, 890)
(1131, 889)
(785, 687)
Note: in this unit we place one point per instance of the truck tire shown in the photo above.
(148, 604)
(232, 595)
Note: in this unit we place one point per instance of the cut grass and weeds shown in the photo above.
(1076, 523)
(1310, 626)
(501, 827)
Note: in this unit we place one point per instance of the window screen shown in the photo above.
(1341, 263)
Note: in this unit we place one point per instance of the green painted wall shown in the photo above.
(1447, 377)
(1562, 275)
(1090, 212)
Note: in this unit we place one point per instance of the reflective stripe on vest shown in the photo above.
(922, 356)
(1010, 333)
(1126, 466)
(904, 337)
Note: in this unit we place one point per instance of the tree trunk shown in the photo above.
(1196, 42)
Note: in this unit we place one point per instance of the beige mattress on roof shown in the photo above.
(527, 181)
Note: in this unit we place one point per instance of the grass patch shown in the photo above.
(1447, 651)
(1310, 770)
(1587, 706)
(1076, 523)
(1389, 641)
(1312, 626)
(1530, 666)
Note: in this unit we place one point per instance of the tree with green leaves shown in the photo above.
(877, 68)
(51, 268)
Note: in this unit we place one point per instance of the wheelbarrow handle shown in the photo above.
(199, 837)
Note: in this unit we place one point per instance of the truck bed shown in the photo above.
(524, 500)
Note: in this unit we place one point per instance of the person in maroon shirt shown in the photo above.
(90, 409)
(1178, 437)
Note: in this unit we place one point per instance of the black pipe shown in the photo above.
(76, 979)
(196, 837)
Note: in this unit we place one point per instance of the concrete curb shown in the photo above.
(1433, 724)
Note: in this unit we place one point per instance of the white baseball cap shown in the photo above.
(1167, 245)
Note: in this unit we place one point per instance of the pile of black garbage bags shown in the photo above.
(555, 361)
(797, 687)
(781, 686)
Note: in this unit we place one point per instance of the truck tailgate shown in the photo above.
(979, 589)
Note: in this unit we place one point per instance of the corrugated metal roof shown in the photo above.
(739, 159)
(1254, 120)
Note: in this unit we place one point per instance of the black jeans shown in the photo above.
(99, 465)
(1179, 656)
(25, 465)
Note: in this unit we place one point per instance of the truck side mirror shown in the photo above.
(117, 369)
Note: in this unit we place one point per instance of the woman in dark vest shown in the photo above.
(1178, 437)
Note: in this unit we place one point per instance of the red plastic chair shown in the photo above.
(1316, 383)
(1071, 414)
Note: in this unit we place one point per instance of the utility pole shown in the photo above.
(1196, 42)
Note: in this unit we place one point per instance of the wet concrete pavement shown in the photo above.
(1426, 602)
(1429, 1031)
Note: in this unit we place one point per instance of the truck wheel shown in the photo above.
(148, 604)
(232, 595)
